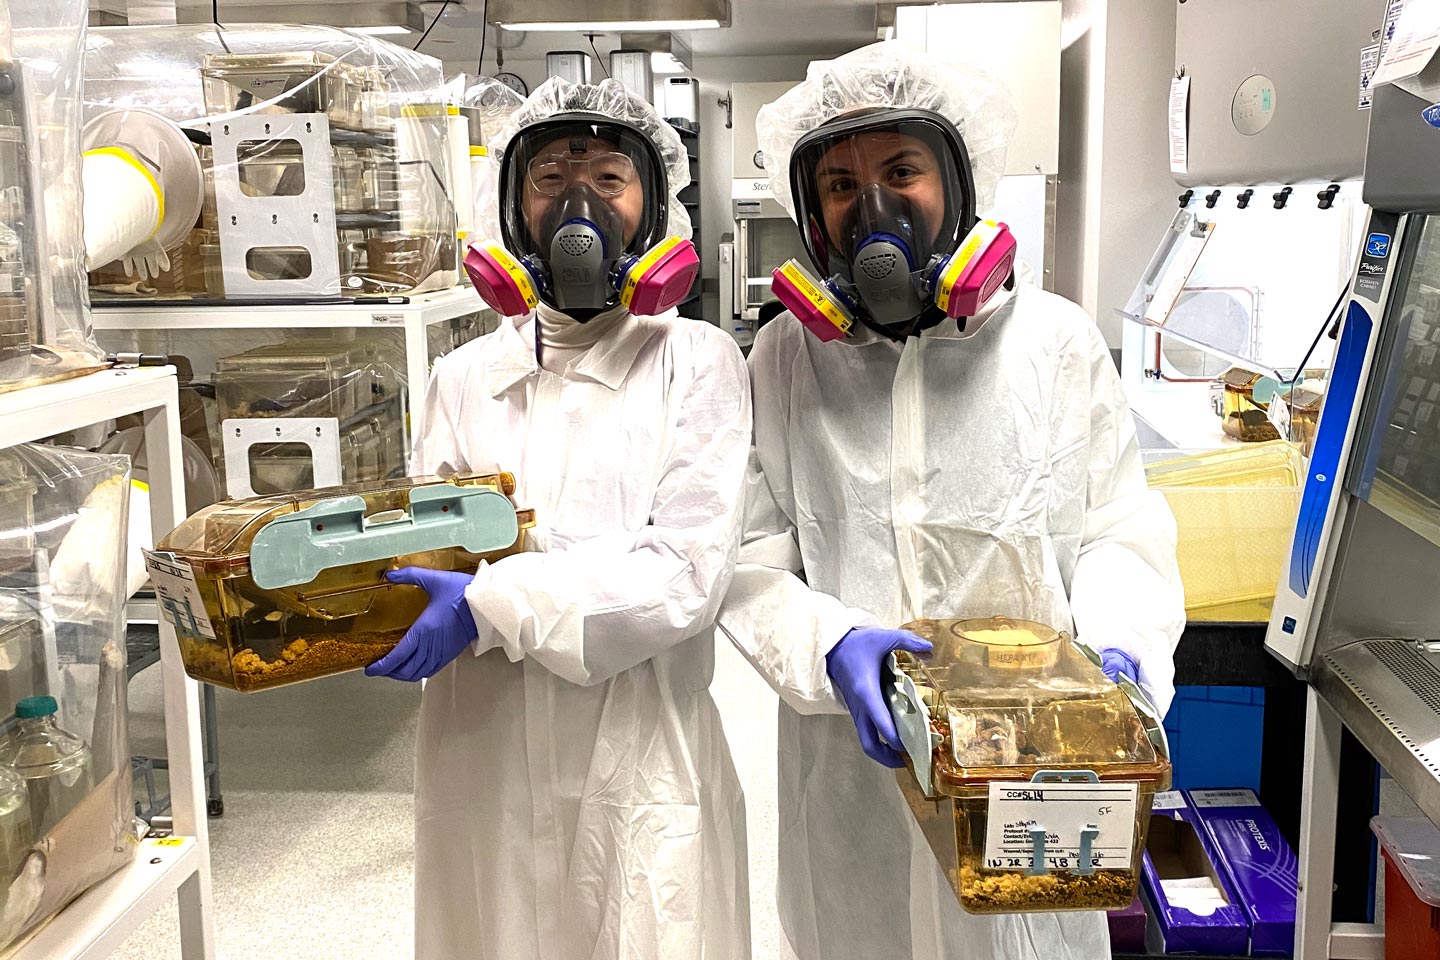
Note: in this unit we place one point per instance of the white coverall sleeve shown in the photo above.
(782, 626)
(1126, 592)
(600, 606)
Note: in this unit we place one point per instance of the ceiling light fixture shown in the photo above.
(611, 26)
(666, 62)
(390, 30)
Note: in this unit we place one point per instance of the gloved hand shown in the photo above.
(146, 261)
(855, 666)
(1117, 664)
(442, 632)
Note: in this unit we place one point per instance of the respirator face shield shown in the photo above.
(901, 172)
(584, 206)
(885, 200)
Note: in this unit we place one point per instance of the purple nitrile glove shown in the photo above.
(443, 631)
(855, 666)
(1117, 664)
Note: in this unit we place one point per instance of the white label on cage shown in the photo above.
(1067, 812)
(178, 595)
(1279, 415)
(387, 319)
(1224, 798)
(1169, 800)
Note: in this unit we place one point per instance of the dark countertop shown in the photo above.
(1228, 655)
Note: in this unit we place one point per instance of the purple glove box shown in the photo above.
(1258, 862)
(1127, 928)
(1178, 848)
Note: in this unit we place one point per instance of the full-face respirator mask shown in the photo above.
(886, 206)
(584, 206)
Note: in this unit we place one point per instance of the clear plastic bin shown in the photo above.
(284, 82)
(276, 590)
(323, 159)
(62, 593)
(1235, 515)
(266, 394)
(1247, 399)
(299, 379)
(1011, 716)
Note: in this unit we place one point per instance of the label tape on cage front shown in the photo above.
(177, 595)
(1066, 812)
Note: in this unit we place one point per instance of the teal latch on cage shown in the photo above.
(912, 722)
(298, 547)
(1088, 835)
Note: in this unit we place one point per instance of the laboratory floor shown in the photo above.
(313, 857)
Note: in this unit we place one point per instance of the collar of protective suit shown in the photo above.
(619, 338)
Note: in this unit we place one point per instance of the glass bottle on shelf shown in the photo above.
(16, 835)
(54, 763)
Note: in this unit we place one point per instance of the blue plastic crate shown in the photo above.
(1216, 734)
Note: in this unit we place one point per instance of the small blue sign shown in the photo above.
(1378, 246)
(1288, 625)
(1431, 114)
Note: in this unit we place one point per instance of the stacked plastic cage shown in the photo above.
(267, 162)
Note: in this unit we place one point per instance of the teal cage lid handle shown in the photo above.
(912, 722)
(298, 547)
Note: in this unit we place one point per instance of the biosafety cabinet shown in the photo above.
(1357, 612)
(1266, 150)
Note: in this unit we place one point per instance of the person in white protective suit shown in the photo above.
(575, 798)
(963, 449)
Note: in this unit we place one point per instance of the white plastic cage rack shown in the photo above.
(99, 921)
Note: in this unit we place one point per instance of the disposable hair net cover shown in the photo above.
(896, 75)
(608, 98)
(491, 102)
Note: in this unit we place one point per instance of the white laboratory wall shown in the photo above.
(1115, 194)
(1022, 42)
(1020, 39)
(1082, 58)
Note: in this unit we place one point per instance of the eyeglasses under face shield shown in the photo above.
(599, 163)
(584, 216)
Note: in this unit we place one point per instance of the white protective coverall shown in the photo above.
(944, 477)
(575, 798)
